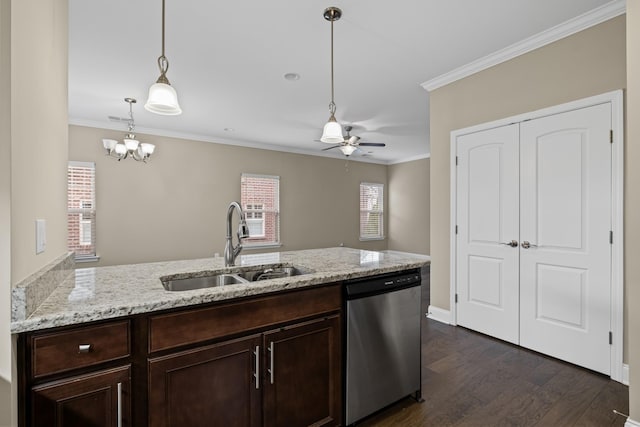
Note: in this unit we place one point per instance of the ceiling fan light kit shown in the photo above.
(332, 131)
(130, 147)
(163, 98)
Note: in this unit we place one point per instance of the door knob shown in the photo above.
(513, 243)
(527, 245)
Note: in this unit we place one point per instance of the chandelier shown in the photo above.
(130, 147)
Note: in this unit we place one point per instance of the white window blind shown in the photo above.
(81, 209)
(371, 211)
(260, 200)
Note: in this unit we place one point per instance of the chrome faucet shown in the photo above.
(231, 252)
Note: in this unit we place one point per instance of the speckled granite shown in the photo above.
(91, 294)
(35, 289)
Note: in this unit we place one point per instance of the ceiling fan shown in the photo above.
(351, 143)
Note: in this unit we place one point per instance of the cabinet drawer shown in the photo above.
(76, 348)
(192, 326)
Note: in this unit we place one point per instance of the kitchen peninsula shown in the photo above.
(110, 344)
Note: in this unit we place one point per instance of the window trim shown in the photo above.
(248, 244)
(381, 235)
(80, 211)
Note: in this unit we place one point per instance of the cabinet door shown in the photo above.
(216, 385)
(96, 400)
(303, 368)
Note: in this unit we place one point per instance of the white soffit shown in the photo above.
(572, 26)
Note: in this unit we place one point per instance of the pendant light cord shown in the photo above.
(162, 27)
(163, 62)
(332, 105)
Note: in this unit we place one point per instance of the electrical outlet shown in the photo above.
(41, 235)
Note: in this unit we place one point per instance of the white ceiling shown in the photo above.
(228, 58)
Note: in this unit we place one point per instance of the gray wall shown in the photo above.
(409, 207)
(175, 206)
(33, 152)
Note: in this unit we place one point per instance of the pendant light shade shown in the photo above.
(163, 98)
(332, 131)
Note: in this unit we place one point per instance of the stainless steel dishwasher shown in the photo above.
(382, 354)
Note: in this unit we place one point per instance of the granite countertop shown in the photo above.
(90, 294)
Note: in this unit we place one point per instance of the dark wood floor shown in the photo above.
(469, 379)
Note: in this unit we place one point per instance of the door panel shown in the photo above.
(487, 217)
(565, 214)
(221, 384)
(304, 363)
(100, 399)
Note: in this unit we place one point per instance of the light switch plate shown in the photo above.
(41, 235)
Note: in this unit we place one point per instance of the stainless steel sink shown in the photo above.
(190, 283)
(271, 273)
(247, 275)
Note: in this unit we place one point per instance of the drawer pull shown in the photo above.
(84, 348)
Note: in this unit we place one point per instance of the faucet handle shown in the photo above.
(243, 229)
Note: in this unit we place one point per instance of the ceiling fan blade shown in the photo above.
(372, 144)
(334, 146)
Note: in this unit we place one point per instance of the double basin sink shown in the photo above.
(247, 275)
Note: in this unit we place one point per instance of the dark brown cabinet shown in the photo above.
(216, 385)
(101, 399)
(272, 360)
(285, 377)
(302, 386)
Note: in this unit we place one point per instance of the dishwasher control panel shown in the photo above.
(359, 288)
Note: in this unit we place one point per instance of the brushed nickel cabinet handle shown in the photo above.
(256, 374)
(271, 356)
(84, 348)
(119, 415)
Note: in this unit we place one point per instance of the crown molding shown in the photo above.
(582, 22)
(223, 141)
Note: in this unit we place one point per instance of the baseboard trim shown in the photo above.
(625, 374)
(631, 423)
(439, 314)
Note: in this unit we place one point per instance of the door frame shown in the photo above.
(616, 99)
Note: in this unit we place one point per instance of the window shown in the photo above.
(371, 211)
(260, 200)
(254, 214)
(81, 210)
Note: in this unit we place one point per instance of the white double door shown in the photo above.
(533, 244)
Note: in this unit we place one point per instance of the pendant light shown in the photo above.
(163, 98)
(332, 132)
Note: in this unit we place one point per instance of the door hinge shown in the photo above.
(611, 136)
(456, 298)
(611, 237)
(456, 160)
(456, 229)
(610, 338)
